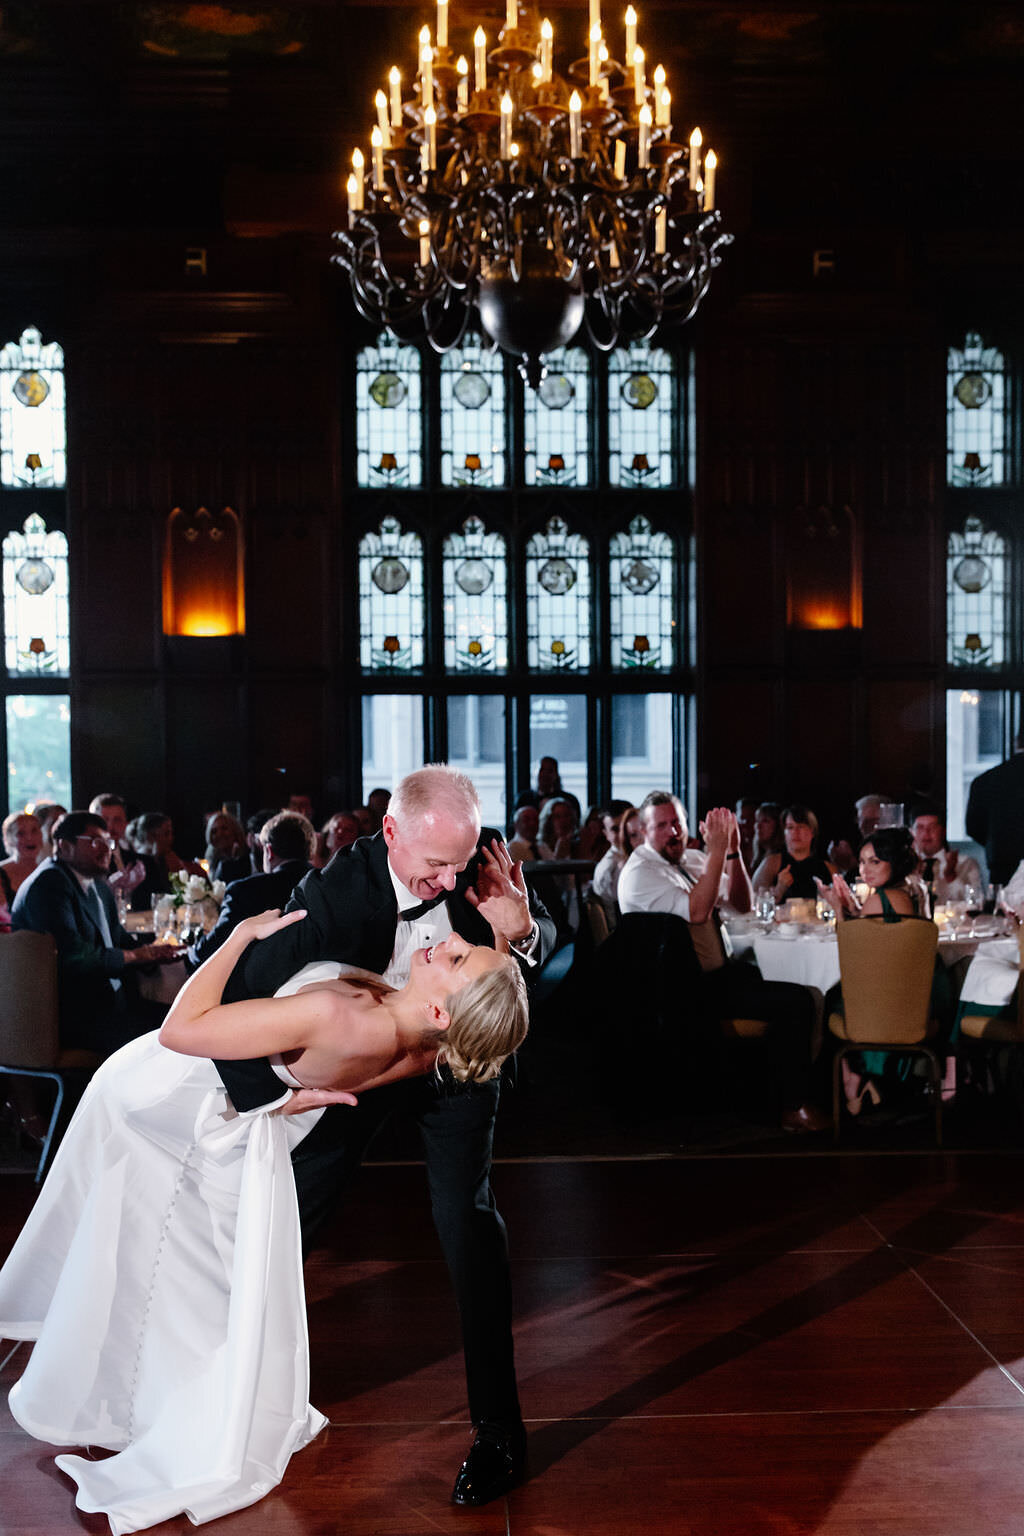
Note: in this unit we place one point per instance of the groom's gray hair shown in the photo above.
(435, 789)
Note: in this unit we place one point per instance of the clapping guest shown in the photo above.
(226, 848)
(887, 865)
(558, 829)
(793, 874)
(126, 868)
(944, 872)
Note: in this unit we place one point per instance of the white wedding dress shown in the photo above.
(160, 1274)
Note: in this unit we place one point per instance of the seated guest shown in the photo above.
(340, 831)
(663, 875)
(301, 804)
(943, 871)
(887, 865)
(287, 843)
(592, 843)
(549, 785)
(792, 875)
(227, 852)
(557, 831)
(768, 836)
(523, 842)
(842, 852)
(618, 822)
(47, 813)
(254, 825)
(22, 838)
(377, 802)
(152, 837)
(126, 869)
(68, 897)
(746, 816)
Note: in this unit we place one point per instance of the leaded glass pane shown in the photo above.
(389, 427)
(475, 600)
(392, 738)
(641, 407)
(975, 414)
(641, 587)
(641, 744)
(556, 422)
(472, 416)
(476, 746)
(36, 600)
(976, 597)
(558, 611)
(390, 599)
(38, 750)
(32, 439)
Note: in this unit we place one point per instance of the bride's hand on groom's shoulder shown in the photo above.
(315, 1098)
(266, 923)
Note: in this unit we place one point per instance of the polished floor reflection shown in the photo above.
(706, 1345)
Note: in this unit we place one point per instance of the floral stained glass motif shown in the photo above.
(36, 625)
(390, 599)
(558, 603)
(975, 414)
(389, 426)
(976, 592)
(641, 409)
(556, 422)
(475, 600)
(32, 436)
(472, 416)
(642, 593)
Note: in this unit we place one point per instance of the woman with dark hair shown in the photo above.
(792, 874)
(767, 832)
(887, 860)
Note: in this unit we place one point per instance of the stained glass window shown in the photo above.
(975, 414)
(556, 422)
(392, 738)
(32, 440)
(38, 749)
(641, 409)
(472, 416)
(389, 429)
(558, 609)
(558, 729)
(976, 596)
(475, 600)
(390, 599)
(641, 587)
(476, 745)
(36, 601)
(641, 744)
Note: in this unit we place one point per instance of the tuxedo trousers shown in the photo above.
(456, 1127)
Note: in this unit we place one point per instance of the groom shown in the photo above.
(428, 872)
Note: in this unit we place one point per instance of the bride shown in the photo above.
(160, 1272)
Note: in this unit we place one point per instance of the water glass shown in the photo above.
(766, 907)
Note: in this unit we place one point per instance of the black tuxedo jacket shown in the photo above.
(995, 816)
(352, 916)
(248, 898)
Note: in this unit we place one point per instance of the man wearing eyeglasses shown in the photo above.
(67, 896)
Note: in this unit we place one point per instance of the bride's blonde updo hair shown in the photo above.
(489, 1019)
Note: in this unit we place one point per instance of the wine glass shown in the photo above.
(766, 908)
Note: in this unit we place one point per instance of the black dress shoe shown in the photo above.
(495, 1463)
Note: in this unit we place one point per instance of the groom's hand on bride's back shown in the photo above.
(315, 1098)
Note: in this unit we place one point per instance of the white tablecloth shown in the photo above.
(811, 959)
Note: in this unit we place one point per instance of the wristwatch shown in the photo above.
(522, 946)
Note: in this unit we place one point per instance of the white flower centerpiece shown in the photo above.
(201, 894)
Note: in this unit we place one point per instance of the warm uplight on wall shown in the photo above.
(823, 570)
(814, 615)
(203, 583)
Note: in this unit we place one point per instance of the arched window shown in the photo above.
(641, 411)
(975, 414)
(36, 627)
(556, 422)
(976, 588)
(32, 434)
(558, 611)
(641, 587)
(475, 600)
(391, 599)
(472, 416)
(389, 427)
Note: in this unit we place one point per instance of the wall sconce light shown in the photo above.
(823, 570)
(203, 580)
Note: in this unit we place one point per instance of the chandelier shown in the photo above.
(540, 201)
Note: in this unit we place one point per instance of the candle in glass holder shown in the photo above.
(395, 82)
(695, 142)
(575, 125)
(710, 166)
(480, 59)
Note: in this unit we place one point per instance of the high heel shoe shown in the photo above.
(867, 1094)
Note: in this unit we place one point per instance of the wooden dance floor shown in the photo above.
(724, 1346)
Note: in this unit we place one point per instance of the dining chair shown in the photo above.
(29, 1041)
(994, 1037)
(886, 971)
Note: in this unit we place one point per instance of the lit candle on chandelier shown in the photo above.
(357, 175)
(426, 67)
(424, 242)
(547, 38)
(619, 165)
(710, 166)
(630, 33)
(604, 56)
(462, 70)
(511, 15)
(442, 23)
(351, 191)
(377, 141)
(381, 102)
(660, 232)
(395, 82)
(644, 140)
(505, 150)
(480, 59)
(665, 102)
(695, 143)
(639, 78)
(659, 86)
(595, 13)
(594, 55)
(575, 126)
(430, 118)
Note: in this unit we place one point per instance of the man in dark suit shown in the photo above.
(68, 897)
(995, 815)
(428, 872)
(286, 843)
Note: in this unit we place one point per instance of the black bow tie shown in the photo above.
(411, 914)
